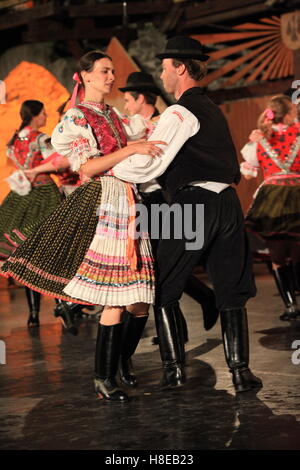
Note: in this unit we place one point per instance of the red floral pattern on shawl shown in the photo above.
(103, 131)
(28, 146)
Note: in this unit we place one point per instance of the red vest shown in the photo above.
(281, 143)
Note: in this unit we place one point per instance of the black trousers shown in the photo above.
(225, 251)
(148, 199)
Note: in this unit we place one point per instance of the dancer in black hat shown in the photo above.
(197, 169)
(140, 95)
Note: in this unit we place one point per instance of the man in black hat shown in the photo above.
(140, 95)
(197, 169)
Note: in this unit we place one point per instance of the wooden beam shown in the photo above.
(116, 9)
(18, 18)
(171, 18)
(296, 54)
(63, 33)
(216, 6)
(222, 17)
(260, 89)
(10, 3)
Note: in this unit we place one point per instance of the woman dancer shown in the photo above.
(68, 180)
(26, 205)
(275, 212)
(85, 251)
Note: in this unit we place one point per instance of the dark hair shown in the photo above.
(61, 108)
(150, 98)
(29, 109)
(196, 68)
(87, 61)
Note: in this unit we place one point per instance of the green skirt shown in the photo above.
(20, 215)
(275, 212)
(51, 256)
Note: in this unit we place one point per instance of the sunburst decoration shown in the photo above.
(259, 54)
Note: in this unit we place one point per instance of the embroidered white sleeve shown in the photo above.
(251, 165)
(135, 127)
(175, 126)
(249, 152)
(73, 138)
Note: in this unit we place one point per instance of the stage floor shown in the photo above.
(47, 399)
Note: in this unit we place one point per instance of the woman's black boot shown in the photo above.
(284, 278)
(107, 356)
(66, 311)
(133, 330)
(171, 344)
(33, 300)
(236, 347)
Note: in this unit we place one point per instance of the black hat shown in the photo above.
(141, 82)
(183, 47)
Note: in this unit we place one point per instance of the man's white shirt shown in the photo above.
(175, 126)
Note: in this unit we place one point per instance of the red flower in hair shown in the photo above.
(269, 114)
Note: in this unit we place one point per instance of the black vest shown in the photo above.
(207, 156)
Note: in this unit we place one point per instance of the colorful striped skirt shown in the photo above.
(80, 253)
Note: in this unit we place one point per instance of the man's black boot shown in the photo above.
(155, 339)
(236, 347)
(284, 278)
(171, 344)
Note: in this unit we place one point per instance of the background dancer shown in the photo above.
(55, 163)
(275, 212)
(68, 182)
(27, 204)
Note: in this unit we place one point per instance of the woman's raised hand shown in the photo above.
(256, 135)
(148, 148)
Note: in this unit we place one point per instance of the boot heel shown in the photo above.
(243, 380)
(173, 376)
(127, 376)
(107, 389)
(66, 316)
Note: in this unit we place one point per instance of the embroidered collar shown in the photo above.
(106, 113)
(101, 106)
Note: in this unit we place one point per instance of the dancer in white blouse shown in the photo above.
(198, 166)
